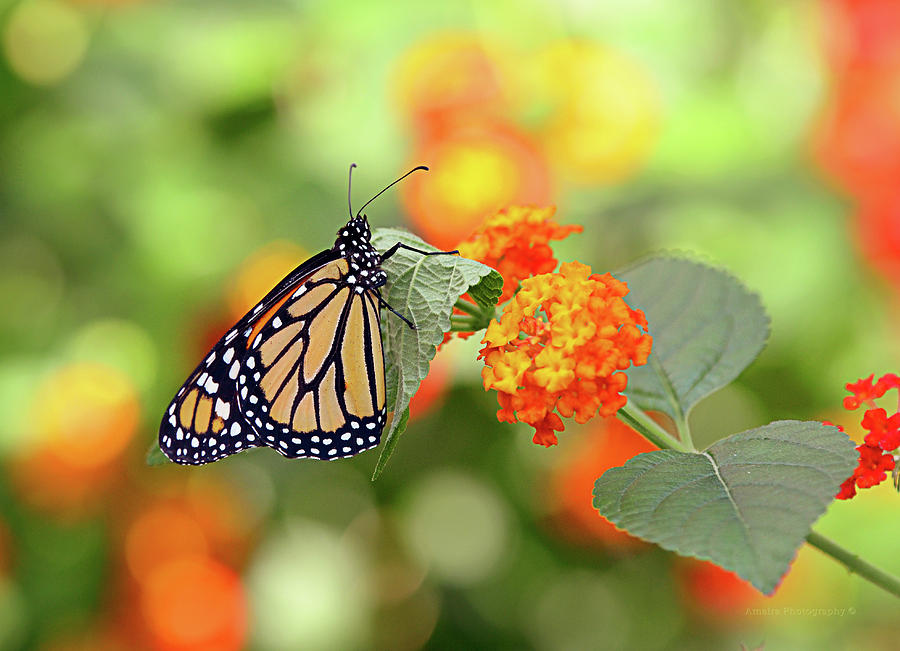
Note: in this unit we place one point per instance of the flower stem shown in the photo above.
(854, 563)
(463, 325)
(467, 307)
(636, 418)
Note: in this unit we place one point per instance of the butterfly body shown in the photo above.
(302, 372)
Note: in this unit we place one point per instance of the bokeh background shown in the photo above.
(162, 164)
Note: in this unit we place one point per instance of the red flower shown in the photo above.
(876, 456)
(884, 432)
(888, 381)
(873, 466)
(862, 390)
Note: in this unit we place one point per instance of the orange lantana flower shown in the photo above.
(514, 241)
(560, 347)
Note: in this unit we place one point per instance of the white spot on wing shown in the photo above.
(223, 408)
(228, 356)
(211, 386)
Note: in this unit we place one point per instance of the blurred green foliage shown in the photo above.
(148, 148)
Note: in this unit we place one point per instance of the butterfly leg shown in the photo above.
(399, 245)
(384, 303)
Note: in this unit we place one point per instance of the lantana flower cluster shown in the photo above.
(560, 348)
(877, 454)
(515, 242)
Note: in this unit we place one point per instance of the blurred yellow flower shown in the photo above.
(260, 272)
(603, 114)
(84, 416)
(44, 40)
(476, 170)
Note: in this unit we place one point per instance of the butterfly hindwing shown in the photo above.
(203, 423)
(313, 381)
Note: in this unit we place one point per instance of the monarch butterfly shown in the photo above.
(303, 371)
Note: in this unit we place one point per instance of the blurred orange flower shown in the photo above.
(161, 533)
(607, 444)
(861, 33)
(476, 170)
(181, 519)
(878, 231)
(195, 604)
(514, 241)
(450, 77)
(714, 593)
(857, 140)
(579, 334)
(83, 418)
(432, 390)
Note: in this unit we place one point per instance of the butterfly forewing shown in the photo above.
(313, 381)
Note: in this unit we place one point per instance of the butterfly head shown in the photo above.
(354, 243)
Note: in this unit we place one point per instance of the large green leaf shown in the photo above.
(706, 326)
(746, 503)
(423, 289)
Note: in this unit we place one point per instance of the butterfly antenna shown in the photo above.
(349, 187)
(415, 169)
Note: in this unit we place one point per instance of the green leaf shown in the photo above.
(746, 503)
(706, 327)
(390, 443)
(488, 291)
(155, 456)
(423, 289)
